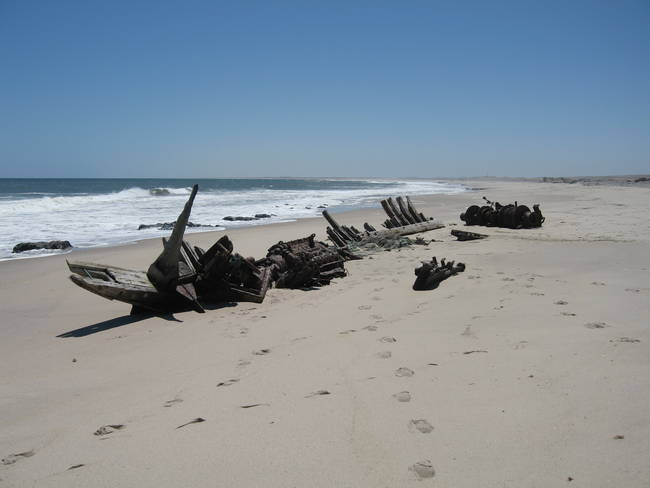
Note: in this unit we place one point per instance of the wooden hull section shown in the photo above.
(125, 285)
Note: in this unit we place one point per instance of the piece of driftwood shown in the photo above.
(430, 274)
(463, 235)
(403, 219)
(512, 216)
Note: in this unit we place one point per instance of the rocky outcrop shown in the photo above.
(258, 216)
(30, 246)
(169, 225)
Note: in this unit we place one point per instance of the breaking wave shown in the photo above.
(90, 219)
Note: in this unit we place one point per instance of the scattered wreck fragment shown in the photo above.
(430, 274)
(463, 235)
(493, 214)
(305, 263)
(403, 219)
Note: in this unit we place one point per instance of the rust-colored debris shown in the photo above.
(493, 214)
(430, 274)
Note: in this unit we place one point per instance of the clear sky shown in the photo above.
(328, 88)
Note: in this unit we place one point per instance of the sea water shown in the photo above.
(101, 212)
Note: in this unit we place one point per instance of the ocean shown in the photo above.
(102, 212)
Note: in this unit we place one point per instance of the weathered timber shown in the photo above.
(167, 285)
(399, 223)
(411, 208)
(430, 274)
(347, 236)
(404, 210)
(334, 237)
(391, 215)
(125, 285)
(402, 220)
(462, 235)
(351, 233)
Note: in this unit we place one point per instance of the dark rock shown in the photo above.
(322, 206)
(169, 225)
(263, 216)
(245, 219)
(29, 246)
(643, 178)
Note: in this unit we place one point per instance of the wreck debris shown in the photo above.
(510, 216)
(185, 276)
(403, 219)
(305, 262)
(430, 274)
(462, 235)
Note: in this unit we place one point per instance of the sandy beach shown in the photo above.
(530, 369)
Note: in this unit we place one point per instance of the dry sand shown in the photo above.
(555, 394)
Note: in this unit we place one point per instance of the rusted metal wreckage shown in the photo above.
(430, 274)
(493, 214)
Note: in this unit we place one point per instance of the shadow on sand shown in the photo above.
(131, 319)
(113, 323)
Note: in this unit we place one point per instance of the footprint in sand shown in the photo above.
(364, 307)
(171, 403)
(228, 382)
(625, 339)
(371, 328)
(349, 331)
(402, 396)
(108, 429)
(261, 352)
(423, 469)
(633, 290)
(377, 318)
(596, 325)
(377, 289)
(568, 314)
(404, 372)
(420, 425)
(537, 294)
(468, 332)
(384, 354)
(561, 302)
(197, 420)
(387, 339)
(12, 458)
(75, 466)
(507, 279)
(318, 393)
(243, 362)
(598, 283)
(520, 345)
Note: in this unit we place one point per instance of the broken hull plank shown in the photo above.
(124, 285)
(146, 297)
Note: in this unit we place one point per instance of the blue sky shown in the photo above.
(350, 88)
